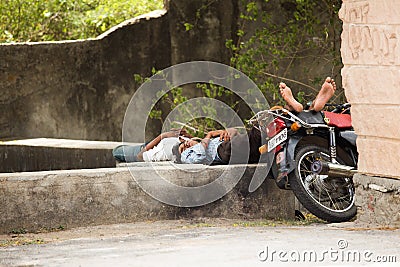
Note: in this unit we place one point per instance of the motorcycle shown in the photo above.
(315, 156)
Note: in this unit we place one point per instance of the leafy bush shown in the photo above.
(269, 47)
(51, 20)
(303, 33)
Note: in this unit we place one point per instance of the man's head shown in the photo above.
(183, 145)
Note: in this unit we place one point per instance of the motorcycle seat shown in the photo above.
(341, 121)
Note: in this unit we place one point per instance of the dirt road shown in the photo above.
(206, 242)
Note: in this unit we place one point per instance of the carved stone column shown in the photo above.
(371, 78)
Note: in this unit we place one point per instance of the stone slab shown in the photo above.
(61, 143)
(73, 198)
(41, 154)
(371, 86)
(379, 157)
(373, 121)
(363, 11)
(370, 32)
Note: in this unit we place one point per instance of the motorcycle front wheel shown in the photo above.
(329, 198)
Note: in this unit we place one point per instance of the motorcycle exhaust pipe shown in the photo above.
(332, 169)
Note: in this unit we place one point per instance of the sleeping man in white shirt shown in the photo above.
(159, 149)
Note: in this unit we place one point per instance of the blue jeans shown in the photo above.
(127, 153)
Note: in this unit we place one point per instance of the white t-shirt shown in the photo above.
(162, 151)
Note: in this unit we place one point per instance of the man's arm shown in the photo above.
(156, 141)
(223, 135)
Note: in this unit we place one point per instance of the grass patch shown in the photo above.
(22, 237)
(213, 222)
(309, 219)
(51, 229)
(20, 242)
(19, 231)
(22, 231)
(195, 225)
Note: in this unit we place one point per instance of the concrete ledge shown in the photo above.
(76, 198)
(42, 154)
(378, 200)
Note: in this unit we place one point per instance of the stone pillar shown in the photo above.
(370, 53)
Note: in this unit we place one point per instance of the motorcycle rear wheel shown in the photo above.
(329, 198)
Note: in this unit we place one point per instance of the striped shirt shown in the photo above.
(198, 154)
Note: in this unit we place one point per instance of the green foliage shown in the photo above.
(38, 20)
(188, 26)
(188, 113)
(302, 30)
(187, 103)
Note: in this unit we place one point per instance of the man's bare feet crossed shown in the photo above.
(286, 93)
(326, 92)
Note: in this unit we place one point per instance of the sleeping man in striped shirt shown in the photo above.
(220, 147)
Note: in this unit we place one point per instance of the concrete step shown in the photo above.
(42, 154)
(74, 198)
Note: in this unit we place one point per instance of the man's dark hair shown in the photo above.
(175, 152)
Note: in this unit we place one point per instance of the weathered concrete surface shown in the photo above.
(370, 53)
(43, 154)
(378, 200)
(186, 243)
(79, 89)
(102, 196)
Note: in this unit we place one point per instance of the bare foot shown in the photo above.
(286, 93)
(326, 92)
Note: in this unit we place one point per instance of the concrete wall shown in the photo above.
(370, 53)
(78, 89)
(44, 154)
(378, 200)
(76, 198)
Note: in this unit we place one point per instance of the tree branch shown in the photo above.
(289, 80)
